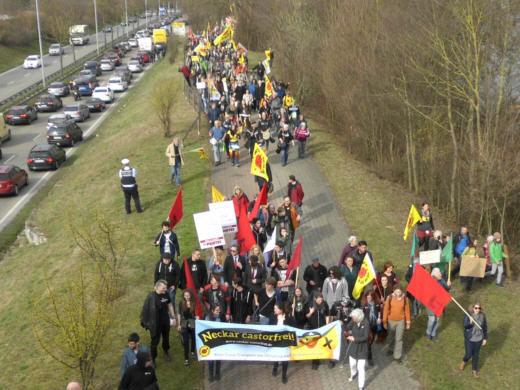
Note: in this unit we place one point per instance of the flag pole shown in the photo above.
(449, 275)
(295, 287)
(465, 312)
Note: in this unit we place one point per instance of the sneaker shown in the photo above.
(435, 338)
(332, 364)
(462, 365)
(186, 362)
(284, 380)
(167, 357)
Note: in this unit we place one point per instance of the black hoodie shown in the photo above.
(138, 376)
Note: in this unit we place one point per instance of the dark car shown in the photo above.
(12, 178)
(47, 103)
(95, 104)
(66, 133)
(45, 156)
(58, 89)
(113, 57)
(94, 67)
(145, 55)
(20, 114)
(124, 73)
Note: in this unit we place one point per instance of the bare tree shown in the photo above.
(163, 99)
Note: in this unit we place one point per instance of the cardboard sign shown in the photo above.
(225, 211)
(209, 230)
(430, 257)
(473, 266)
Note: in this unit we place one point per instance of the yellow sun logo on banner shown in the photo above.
(204, 351)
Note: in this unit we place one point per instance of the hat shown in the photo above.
(315, 258)
(125, 161)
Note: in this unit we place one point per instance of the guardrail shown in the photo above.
(34, 90)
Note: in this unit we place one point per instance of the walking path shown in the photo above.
(324, 234)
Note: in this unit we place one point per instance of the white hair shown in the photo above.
(357, 315)
(490, 238)
(437, 233)
(436, 272)
(352, 238)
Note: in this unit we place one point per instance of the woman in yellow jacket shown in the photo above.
(234, 147)
(175, 154)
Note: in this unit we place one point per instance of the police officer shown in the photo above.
(127, 174)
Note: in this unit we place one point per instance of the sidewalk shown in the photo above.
(325, 233)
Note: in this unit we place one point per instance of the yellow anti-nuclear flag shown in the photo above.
(202, 152)
(226, 35)
(259, 163)
(216, 195)
(365, 275)
(268, 54)
(413, 218)
(268, 86)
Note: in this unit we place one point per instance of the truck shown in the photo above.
(145, 43)
(159, 36)
(78, 35)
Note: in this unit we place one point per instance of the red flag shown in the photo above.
(261, 199)
(295, 259)
(176, 211)
(428, 291)
(191, 286)
(245, 236)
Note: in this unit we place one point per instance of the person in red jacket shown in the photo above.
(186, 73)
(295, 191)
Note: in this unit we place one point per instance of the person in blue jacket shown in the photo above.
(475, 336)
(167, 242)
(130, 352)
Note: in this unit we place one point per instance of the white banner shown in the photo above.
(430, 257)
(208, 229)
(225, 212)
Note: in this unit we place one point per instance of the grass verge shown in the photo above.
(14, 55)
(87, 183)
(376, 211)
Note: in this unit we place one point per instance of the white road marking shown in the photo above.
(10, 158)
(27, 74)
(35, 138)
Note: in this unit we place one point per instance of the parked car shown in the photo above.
(32, 62)
(145, 55)
(20, 114)
(65, 134)
(59, 89)
(47, 103)
(77, 111)
(56, 49)
(107, 65)
(12, 178)
(56, 118)
(104, 93)
(95, 104)
(135, 67)
(5, 133)
(94, 67)
(132, 42)
(45, 156)
(117, 84)
(124, 73)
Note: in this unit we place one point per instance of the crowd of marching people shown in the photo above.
(246, 106)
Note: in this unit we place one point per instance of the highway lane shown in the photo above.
(24, 137)
(18, 78)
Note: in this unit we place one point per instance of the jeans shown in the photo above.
(472, 351)
(357, 366)
(263, 320)
(214, 368)
(285, 155)
(187, 335)
(497, 267)
(396, 333)
(175, 171)
(217, 152)
(301, 148)
(433, 325)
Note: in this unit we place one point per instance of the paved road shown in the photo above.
(324, 234)
(24, 137)
(18, 78)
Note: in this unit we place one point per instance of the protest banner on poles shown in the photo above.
(275, 343)
(209, 230)
(225, 212)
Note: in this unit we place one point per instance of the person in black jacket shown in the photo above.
(140, 376)
(359, 254)
(281, 316)
(234, 265)
(254, 275)
(241, 303)
(315, 274)
(259, 232)
(198, 270)
(317, 316)
(154, 317)
(216, 299)
(359, 332)
(169, 270)
(167, 241)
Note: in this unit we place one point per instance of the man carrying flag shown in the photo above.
(413, 218)
(260, 200)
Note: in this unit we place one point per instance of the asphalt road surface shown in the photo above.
(18, 78)
(24, 137)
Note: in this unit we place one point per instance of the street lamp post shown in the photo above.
(126, 16)
(96, 22)
(40, 41)
(146, 13)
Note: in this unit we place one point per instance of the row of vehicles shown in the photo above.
(62, 127)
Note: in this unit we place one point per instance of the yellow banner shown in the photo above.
(259, 163)
(365, 275)
(216, 195)
(226, 35)
(413, 218)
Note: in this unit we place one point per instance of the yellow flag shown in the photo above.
(268, 54)
(365, 275)
(268, 86)
(259, 163)
(413, 218)
(216, 195)
(241, 60)
(203, 154)
(195, 58)
(288, 101)
(226, 35)
(201, 49)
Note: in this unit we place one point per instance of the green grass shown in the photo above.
(14, 55)
(376, 211)
(88, 183)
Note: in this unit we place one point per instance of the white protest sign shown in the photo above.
(430, 257)
(208, 229)
(225, 211)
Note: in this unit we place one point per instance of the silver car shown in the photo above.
(77, 111)
(107, 65)
(135, 67)
(55, 49)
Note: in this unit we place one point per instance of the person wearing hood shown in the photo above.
(140, 376)
(169, 270)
